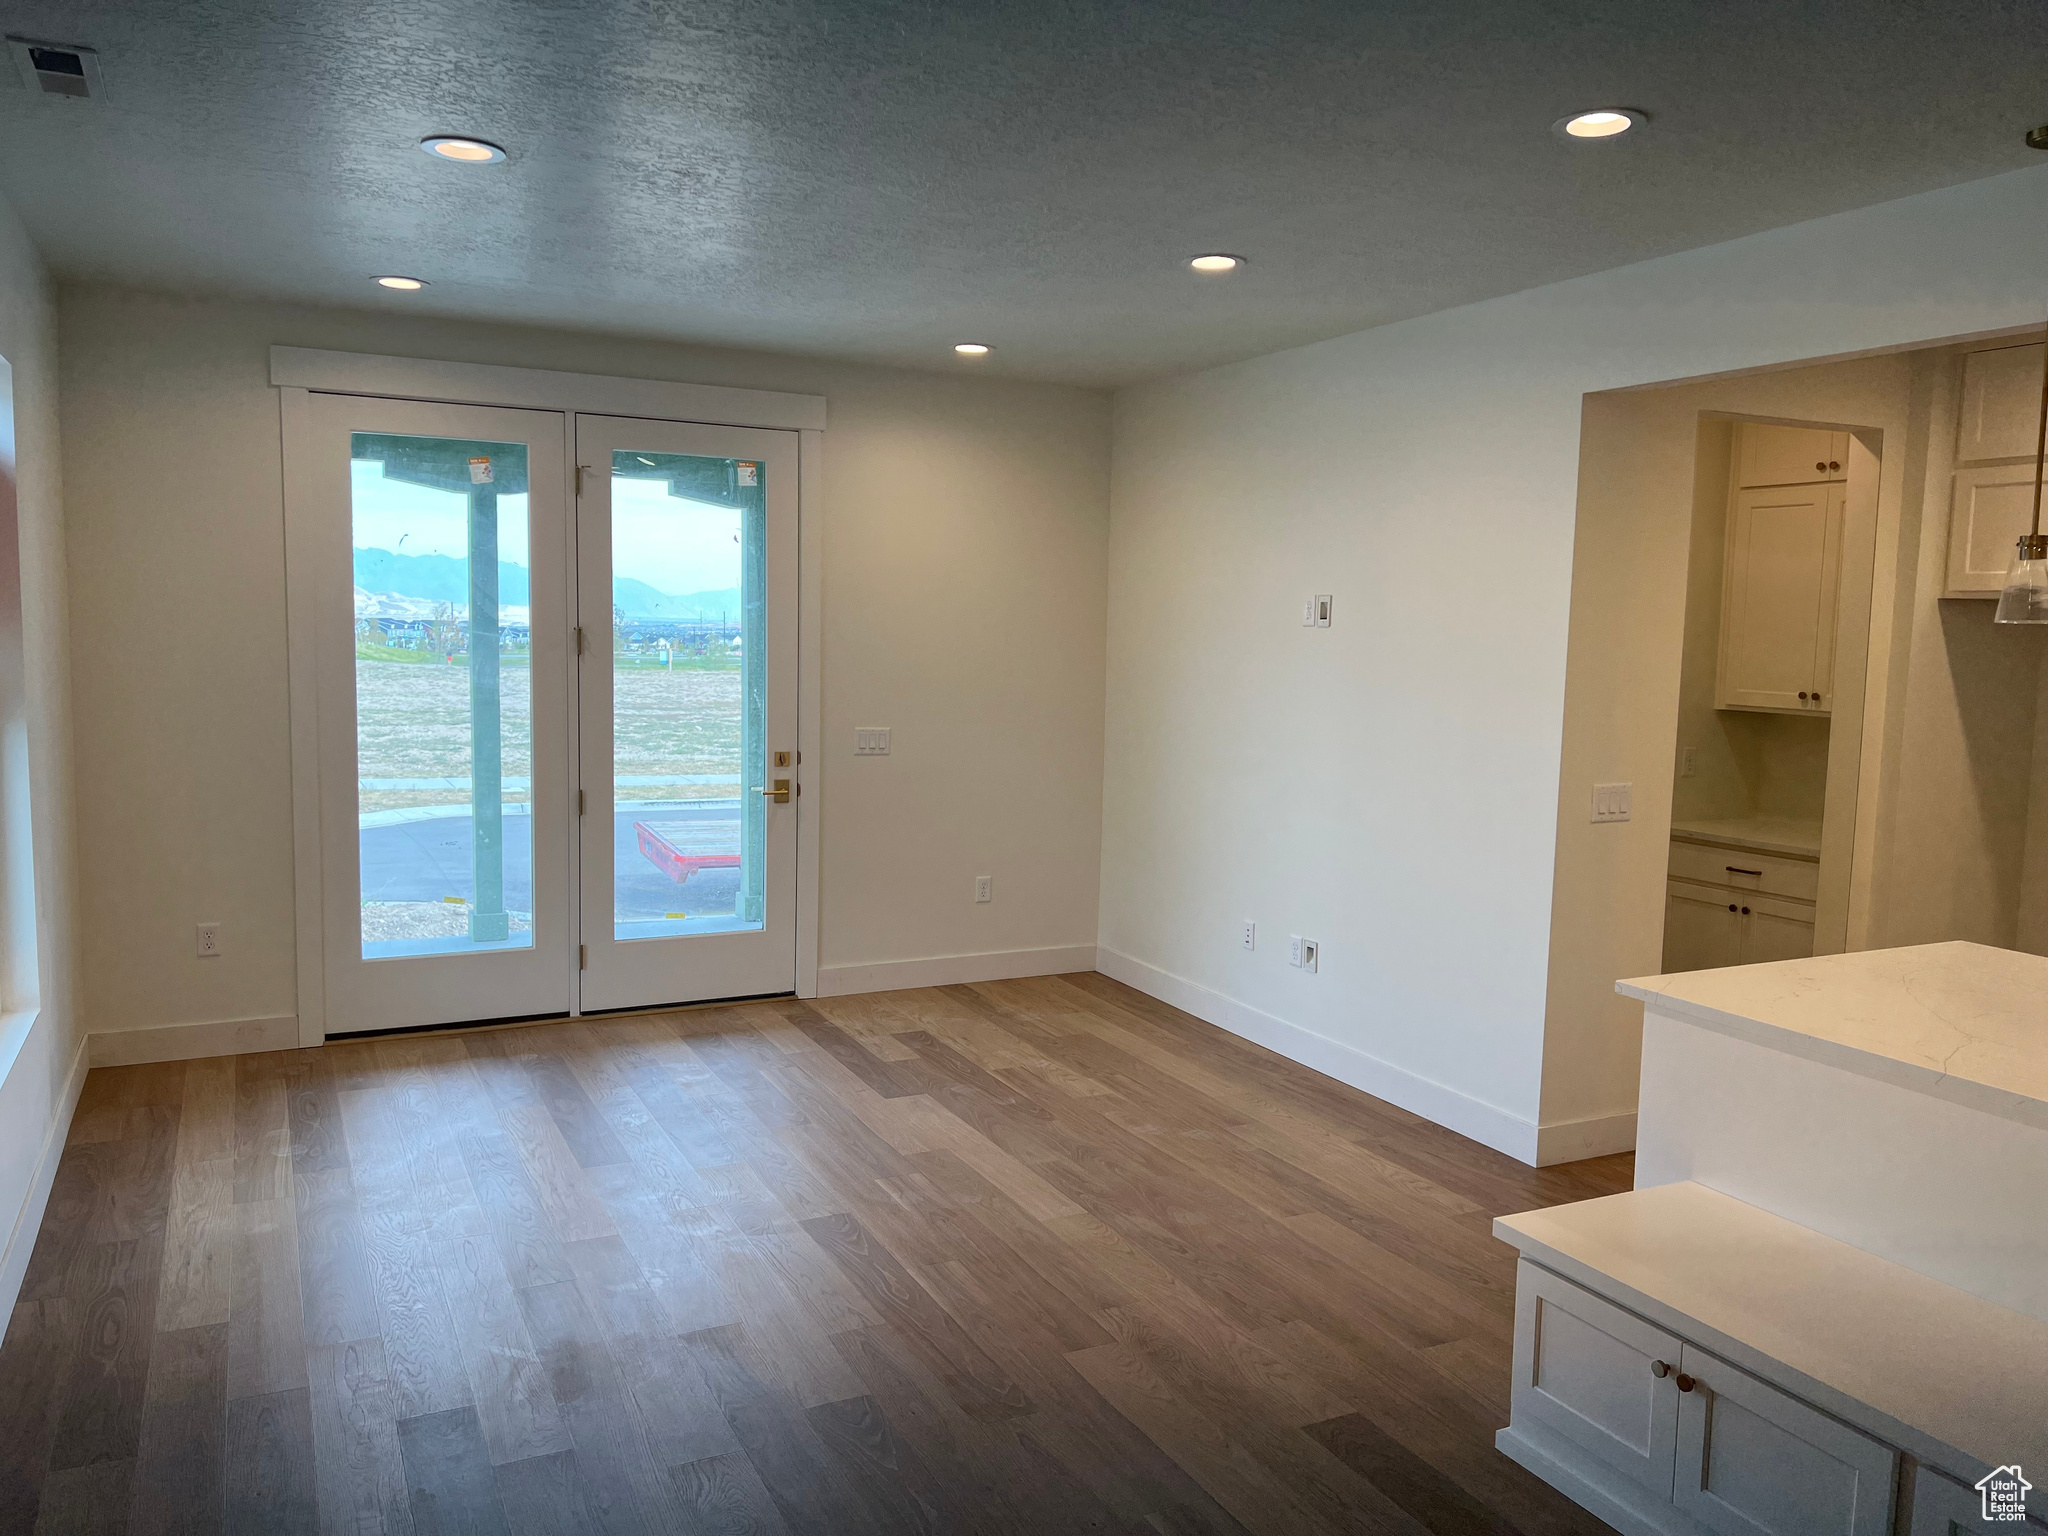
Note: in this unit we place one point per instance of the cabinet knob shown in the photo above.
(1660, 1369)
(1745, 911)
(1802, 693)
(1822, 466)
(1731, 906)
(1833, 465)
(1685, 1382)
(1816, 698)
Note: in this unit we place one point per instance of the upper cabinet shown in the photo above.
(2000, 415)
(1998, 421)
(1780, 573)
(1789, 455)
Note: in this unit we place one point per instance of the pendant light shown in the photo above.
(2025, 598)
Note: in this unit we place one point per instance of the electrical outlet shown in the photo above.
(1311, 951)
(1611, 801)
(871, 741)
(1251, 935)
(984, 888)
(1308, 613)
(208, 941)
(1688, 762)
(1294, 949)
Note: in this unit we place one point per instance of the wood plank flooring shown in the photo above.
(1029, 1256)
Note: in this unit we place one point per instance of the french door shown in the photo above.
(551, 692)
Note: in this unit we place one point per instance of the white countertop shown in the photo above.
(1955, 1379)
(1765, 834)
(1962, 1022)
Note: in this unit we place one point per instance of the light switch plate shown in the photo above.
(871, 741)
(1322, 601)
(1611, 801)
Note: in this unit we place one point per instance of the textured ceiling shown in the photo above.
(881, 178)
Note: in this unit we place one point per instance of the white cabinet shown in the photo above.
(1753, 1461)
(1655, 1434)
(1998, 423)
(1596, 1375)
(1945, 1508)
(2000, 415)
(1780, 573)
(1790, 455)
(1706, 927)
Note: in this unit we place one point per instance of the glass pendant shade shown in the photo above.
(2025, 598)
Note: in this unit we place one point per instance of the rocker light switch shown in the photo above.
(871, 741)
(1611, 801)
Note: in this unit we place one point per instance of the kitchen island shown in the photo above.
(1824, 1307)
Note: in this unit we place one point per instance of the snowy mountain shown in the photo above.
(410, 586)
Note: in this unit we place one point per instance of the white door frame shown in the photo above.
(297, 372)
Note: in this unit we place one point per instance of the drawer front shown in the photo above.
(1769, 874)
(1754, 1462)
(1945, 1508)
(1584, 1369)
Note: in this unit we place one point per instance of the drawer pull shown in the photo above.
(1734, 871)
(1660, 1369)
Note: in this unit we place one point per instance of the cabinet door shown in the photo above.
(1754, 1462)
(1989, 508)
(1776, 930)
(1945, 1508)
(1823, 691)
(1791, 455)
(1702, 928)
(1584, 1368)
(2001, 405)
(1777, 595)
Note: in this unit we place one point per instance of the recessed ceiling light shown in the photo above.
(973, 348)
(1603, 123)
(1217, 262)
(444, 146)
(407, 284)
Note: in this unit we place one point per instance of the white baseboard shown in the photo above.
(28, 1221)
(1566, 1141)
(1485, 1123)
(187, 1042)
(953, 970)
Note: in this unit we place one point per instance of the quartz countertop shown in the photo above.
(1962, 1022)
(1764, 834)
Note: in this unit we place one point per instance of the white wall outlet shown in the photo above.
(1294, 949)
(1251, 935)
(984, 888)
(871, 741)
(1311, 952)
(207, 943)
(1308, 613)
(1611, 801)
(1322, 610)
(1688, 762)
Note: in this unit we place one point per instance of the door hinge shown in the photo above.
(579, 477)
(582, 957)
(579, 802)
(579, 639)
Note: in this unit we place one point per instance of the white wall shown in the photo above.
(965, 527)
(1390, 786)
(41, 1057)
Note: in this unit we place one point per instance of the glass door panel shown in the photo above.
(689, 693)
(686, 542)
(444, 698)
(445, 730)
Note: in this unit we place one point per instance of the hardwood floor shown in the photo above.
(1029, 1256)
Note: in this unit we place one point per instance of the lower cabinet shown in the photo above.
(1945, 1508)
(1632, 1410)
(1709, 926)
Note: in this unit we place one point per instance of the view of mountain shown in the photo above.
(441, 579)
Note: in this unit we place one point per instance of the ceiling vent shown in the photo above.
(57, 69)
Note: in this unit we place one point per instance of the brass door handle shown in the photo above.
(779, 792)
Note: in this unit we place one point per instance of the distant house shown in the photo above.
(2005, 1493)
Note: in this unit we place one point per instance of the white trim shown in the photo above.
(810, 702)
(301, 588)
(1567, 1141)
(954, 970)
(592, 394)
(28, 1221)
(189, 1042)
(1484, 1123)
